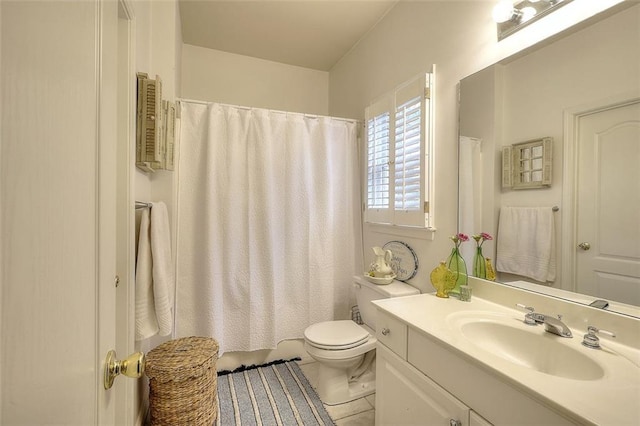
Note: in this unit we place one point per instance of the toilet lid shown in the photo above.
(336, 335)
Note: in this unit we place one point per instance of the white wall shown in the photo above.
(216, 76)
(158, 49)
(460, 38)
(412, 37)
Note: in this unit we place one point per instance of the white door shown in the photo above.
(608, 204)
(58, 216)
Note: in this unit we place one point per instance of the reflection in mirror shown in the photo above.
(583, 91)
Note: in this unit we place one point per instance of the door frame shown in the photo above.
(571, 118)
(127, 399)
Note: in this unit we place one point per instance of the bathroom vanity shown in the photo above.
(443, 361)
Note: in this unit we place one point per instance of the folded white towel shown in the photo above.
(526, 242)
(155, 274)
(146, 323)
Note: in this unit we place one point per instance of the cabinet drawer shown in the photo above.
(392, 333)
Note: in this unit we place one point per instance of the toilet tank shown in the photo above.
(367, 291)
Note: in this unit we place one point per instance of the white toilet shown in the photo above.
(345, 351)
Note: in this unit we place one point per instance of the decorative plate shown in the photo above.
(404, 261)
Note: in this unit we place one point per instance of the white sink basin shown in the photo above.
(532, 347)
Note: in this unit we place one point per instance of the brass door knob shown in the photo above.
(131, 366)
(584, 246)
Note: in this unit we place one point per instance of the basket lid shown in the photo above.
(181, 358)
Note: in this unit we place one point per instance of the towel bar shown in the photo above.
(143, 205)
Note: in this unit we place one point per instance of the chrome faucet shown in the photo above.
(551, 324)
(556, 326)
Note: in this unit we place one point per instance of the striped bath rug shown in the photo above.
(272, 394)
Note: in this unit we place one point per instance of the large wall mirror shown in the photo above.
(582, 91)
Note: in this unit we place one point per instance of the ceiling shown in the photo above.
(313, 34)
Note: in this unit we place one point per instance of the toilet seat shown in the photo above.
(336, 335)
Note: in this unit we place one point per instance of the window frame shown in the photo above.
(421, 217)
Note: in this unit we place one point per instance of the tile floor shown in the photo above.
(360, 412)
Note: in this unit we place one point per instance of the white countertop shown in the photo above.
(612, 399)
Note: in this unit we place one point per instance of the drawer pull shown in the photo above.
(454, 422)
(385, 331)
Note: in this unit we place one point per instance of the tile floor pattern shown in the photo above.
(360, 412)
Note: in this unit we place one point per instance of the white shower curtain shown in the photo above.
(268, 223)
(470, 191)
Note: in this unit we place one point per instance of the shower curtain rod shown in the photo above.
(193, 101)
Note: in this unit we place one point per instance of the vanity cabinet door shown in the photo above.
(476, 420)
(405, 396)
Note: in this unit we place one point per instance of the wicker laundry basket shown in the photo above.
(183, 382)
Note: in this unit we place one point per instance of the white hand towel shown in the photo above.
(146, 323)
(163, 270)
(526, 242)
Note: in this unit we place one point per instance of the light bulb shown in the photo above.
(503, 11)
(528, 13)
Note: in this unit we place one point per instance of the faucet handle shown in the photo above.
(592, 341)
(529, 318)
(524, 307)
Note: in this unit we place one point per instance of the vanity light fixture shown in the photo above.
(505, 12)
(513, 15)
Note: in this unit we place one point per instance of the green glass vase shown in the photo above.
(479, 264)
(457, 265)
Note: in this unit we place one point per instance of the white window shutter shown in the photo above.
(169, 118)
(410, 180)
(407, 155)
(378, 162)
(149, 140)
(507, 167)
(547, 149)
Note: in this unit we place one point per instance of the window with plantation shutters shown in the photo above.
(397, 155)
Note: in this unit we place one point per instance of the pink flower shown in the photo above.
(459, 238)
(481, 238)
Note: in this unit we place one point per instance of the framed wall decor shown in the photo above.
(527, 165)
